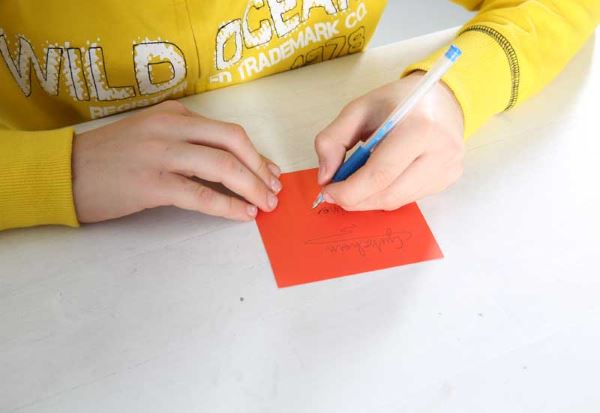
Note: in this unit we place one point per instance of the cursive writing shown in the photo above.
(331, 210)
(346, 240)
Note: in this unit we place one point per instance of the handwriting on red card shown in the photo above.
(306, 245)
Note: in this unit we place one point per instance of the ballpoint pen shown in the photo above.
(362, 153)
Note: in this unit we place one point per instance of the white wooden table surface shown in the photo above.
(173, 311)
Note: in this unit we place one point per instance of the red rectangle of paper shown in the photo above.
(306, 245)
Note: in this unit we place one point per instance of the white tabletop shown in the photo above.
(173, 311)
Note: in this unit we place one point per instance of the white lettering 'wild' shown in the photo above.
(20, 65)
(148, 55)
(101, 90)
(84, 71)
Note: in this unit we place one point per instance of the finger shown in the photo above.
(184, 193)
(332, 143)
(229, 137)
(410, 186)
(273, 167)
(216, 165)
(386, 164)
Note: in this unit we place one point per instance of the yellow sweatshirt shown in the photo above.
(66, 61)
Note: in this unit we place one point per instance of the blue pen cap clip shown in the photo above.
(453, 53)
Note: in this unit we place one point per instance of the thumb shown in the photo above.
(342, 134)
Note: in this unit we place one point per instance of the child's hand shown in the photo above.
(423, 155)
(152, 158)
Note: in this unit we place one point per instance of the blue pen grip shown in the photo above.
(352, 164)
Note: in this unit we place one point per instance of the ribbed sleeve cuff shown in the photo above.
(35, 178)
(483, 78)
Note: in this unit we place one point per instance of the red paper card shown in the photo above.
(306, 245)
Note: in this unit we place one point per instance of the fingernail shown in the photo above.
(274, 170)
(271, 201)
(252, 210)
(276, 185)
(328, 198)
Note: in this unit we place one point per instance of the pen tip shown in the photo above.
(318, 201)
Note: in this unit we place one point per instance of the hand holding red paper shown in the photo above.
(158, 157)
(421, 156)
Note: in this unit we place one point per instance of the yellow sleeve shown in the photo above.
(35, 178)
(511, 50)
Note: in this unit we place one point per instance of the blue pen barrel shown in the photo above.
(352, 164)
(361, 155)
